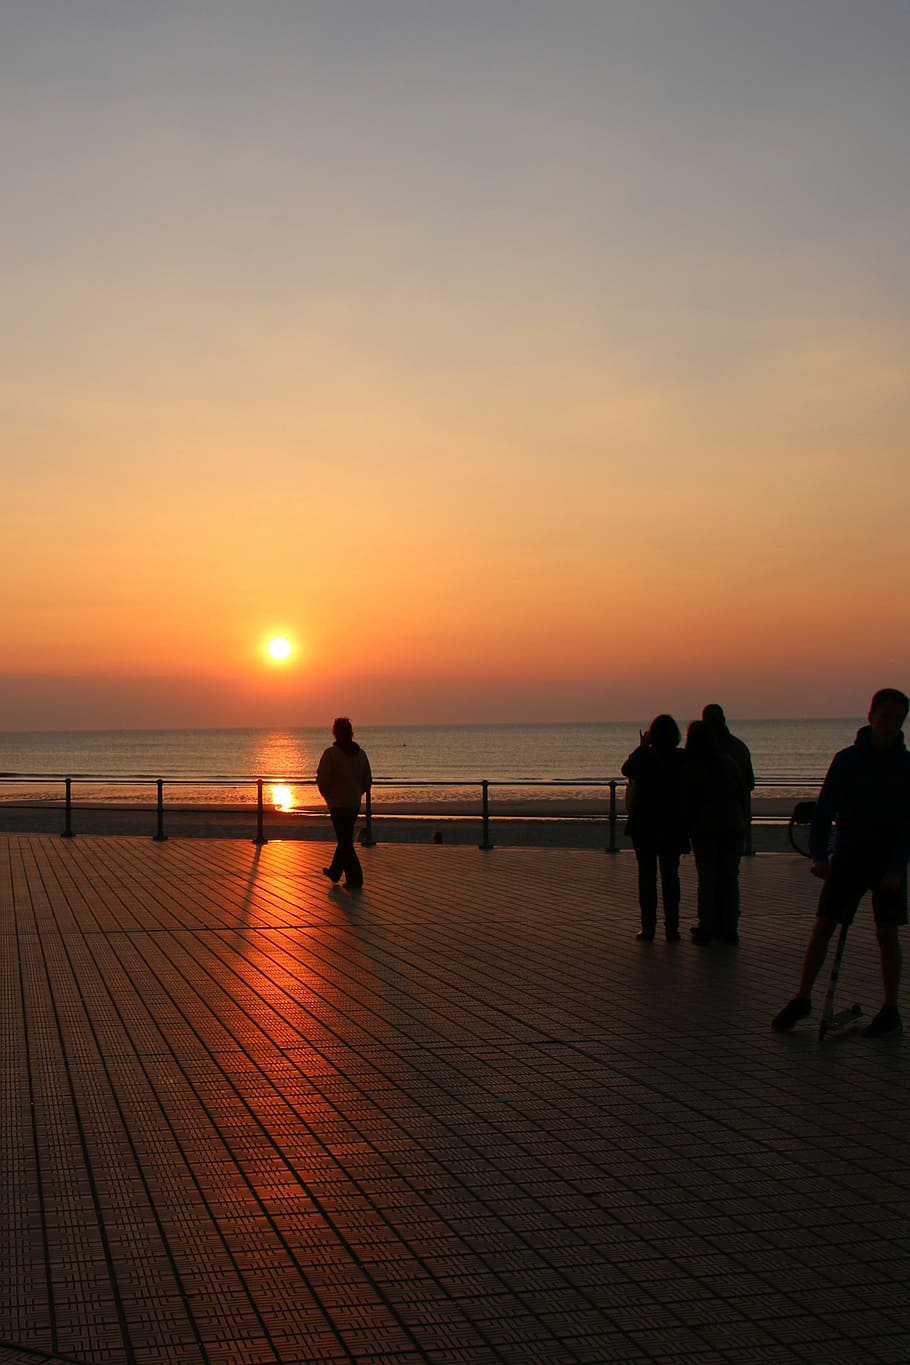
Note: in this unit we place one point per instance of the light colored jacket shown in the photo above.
(343, 776)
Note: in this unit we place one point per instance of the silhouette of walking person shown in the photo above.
(343, 775)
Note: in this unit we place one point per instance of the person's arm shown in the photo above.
(742, 793)
(324, 774)
(900, 854)
(632, 765)
(823, 817)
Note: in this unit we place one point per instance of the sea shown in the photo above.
(426, 763)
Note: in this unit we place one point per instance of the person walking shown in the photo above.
(343, 775)
(867, 793)
(715, 803)
(655, 823)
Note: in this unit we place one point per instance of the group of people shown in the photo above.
(697, 797)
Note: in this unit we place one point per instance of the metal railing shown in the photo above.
(612, 819)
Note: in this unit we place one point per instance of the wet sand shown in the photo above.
(554, 824)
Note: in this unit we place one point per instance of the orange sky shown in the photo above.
(503, 388)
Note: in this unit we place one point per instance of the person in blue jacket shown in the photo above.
(867, 794)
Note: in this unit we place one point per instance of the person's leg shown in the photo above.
(889, 905)
(892, 960)
(647, 888)
(353, 872)
(347, 853)
(800, 1007)
(336, 866)
(730, 851)
(344, 859)
(843, 889)
(814, 956)
(670, 892)
(705, 848)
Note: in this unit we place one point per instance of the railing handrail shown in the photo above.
(612, 784)
(290, 779)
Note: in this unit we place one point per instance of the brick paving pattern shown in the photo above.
(461, 1117)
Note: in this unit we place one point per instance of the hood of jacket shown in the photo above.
(864, 742)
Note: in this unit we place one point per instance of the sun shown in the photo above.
(280, 648)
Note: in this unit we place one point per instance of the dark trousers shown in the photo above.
(717, 864)
(649, 860)
(345, 857)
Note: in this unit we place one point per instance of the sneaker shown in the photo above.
(800, 1007)
(327, 872)
(699, 935)
(645, 935)
(672, 935)
(885, 1023)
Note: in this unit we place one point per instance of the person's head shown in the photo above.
(701, 741)
(887, 713)
(342, 729)
(663, 732)
(713, 714)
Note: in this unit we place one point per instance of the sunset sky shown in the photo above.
(514, 360)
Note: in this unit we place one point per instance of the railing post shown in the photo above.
(485, 808)
(68, 818)
(159, 836)
(612, 847)
(260, 836)
(368, 841)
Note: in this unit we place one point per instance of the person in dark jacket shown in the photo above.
(715, 804)
(867, 793)
(655, 823)
(343, 775)
(731, 744)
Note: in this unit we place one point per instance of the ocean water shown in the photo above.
(215, 767)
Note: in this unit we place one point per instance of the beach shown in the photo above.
(556, 823)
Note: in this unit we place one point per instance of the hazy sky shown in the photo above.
(513, 359)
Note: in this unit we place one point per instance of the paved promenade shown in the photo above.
(461, 1117)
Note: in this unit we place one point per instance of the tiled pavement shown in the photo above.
(461, 1117)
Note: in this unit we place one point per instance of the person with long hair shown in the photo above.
(716, 803)
(655, 823)
(343, 775)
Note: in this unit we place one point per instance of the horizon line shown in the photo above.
(388, 725)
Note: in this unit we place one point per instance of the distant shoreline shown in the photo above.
(538, 823)
(555, 807)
